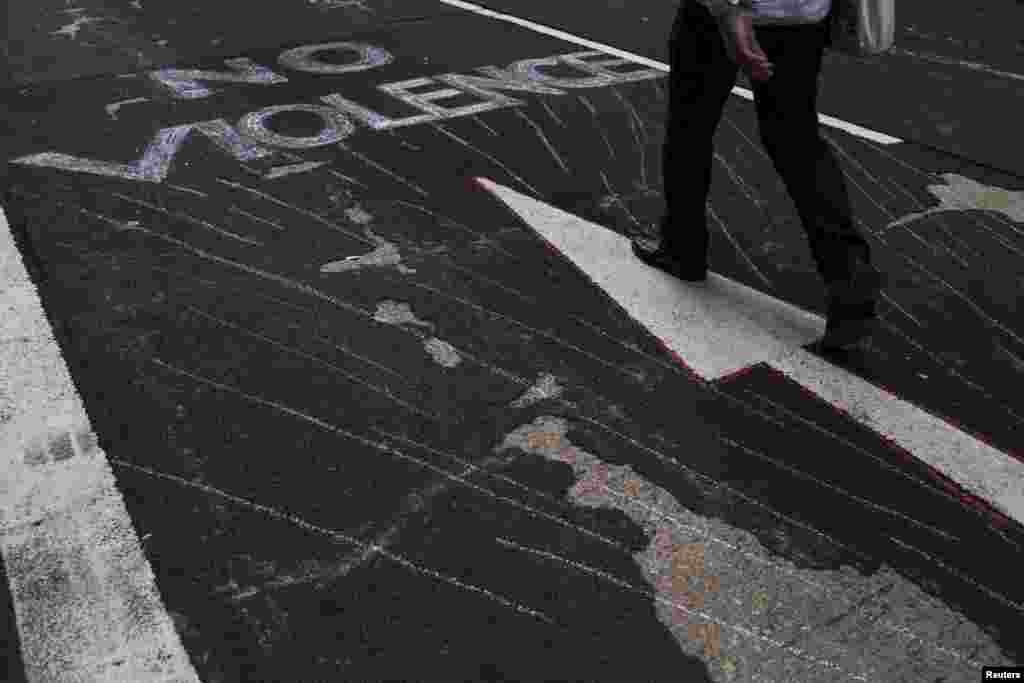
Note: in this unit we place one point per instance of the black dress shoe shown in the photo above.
(851, 316)
(664, 260)
(848, 325)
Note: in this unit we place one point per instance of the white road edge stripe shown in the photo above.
(721, 327)
(852, 128)
(85, 599)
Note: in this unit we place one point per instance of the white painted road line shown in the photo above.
(721, 327)
(85, 599)
(850, 128)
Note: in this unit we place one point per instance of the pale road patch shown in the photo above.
(385, 255)
(398, 313)
(547, 386)
(71, 30)
(442, 352)
(851, 128)
(751, 616)
(964, 194)
(85, 600)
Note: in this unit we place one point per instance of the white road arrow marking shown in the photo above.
(721, 327)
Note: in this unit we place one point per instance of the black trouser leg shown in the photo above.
(701, 78)
(788, 121)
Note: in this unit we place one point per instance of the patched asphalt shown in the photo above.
(369, 427)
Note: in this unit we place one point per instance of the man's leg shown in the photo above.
(701, 78)
(789, 128)
(788, 122)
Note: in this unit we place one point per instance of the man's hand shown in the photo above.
(741, 43)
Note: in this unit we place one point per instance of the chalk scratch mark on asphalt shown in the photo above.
(253, 217)
(867, 195)
(966, 299)
(518, 323)
(747, 191)
(385, 448)
(736, 245)
(902, 310)
(750, 143)
(113, 107)
(370, 162)
(190, 219)
(850, 159)
(384, 391)
(220, 286)
(597, 120)
(551, 113)
(342, 176)
(402, 142)
(187, 190)
(547, 143)
(477, 118)
(591, 327)
(836, 489)
(640, 129)
(451, 221)
(641, 148)
(279, 279)
(953, 371)
(484, 469)
(1017, 361)
(873, 234)
(999, 597)
(974, 66)
(883, 462)
(441, 129)
(315, 216)
(349, 352)
(615, 198)
(337, 536)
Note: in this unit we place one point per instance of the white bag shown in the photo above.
(863, 27)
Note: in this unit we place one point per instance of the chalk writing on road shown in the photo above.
(253, 138)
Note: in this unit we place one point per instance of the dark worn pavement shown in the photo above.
(338, 381)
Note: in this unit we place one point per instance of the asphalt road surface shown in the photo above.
(345, 389)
